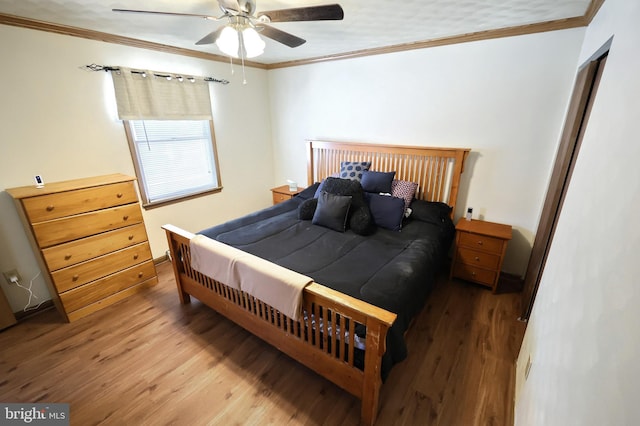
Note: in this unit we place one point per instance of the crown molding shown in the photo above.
(592, 10)
(560, 24)
(33, 24)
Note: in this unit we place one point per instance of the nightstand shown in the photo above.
(282, 193)
(479, 251)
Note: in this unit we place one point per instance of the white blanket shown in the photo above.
(277, 286)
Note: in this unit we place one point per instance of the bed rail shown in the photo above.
(323, 339)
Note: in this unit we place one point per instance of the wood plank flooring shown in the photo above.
(148, 360)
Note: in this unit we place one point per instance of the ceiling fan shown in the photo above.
(239, 38)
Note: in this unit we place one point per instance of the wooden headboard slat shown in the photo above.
(436, 170)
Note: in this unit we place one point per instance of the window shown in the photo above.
(174, 159)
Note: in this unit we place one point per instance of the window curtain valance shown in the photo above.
(152, 95)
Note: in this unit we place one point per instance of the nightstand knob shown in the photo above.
(125, 217)
(479, 243)
(477, 258)
(130, 237)
(67, 257)
(140, 274)
(119, 195)
(135, 256)
(75, 277)
(473, 274)
(50, 208)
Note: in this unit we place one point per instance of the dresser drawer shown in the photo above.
(53, 206)
(82, 273)
(481, 242)
(67, 254)
(472, 273)
(104, 287)
(82, 225)
(478, 258)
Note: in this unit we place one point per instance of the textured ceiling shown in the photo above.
(367, 24)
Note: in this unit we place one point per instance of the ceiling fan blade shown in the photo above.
(281, 36)
(192, 15)
(211, 37)
(330, 12)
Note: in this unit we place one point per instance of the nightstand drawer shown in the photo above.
(278, 198)
(478, 258)
(481, 242)
(472, 273)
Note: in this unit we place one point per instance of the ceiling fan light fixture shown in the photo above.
(234, 40)
(253, 43)
(229, 42)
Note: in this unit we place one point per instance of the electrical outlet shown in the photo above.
(12, 276)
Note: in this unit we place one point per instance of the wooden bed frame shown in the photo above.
(330, 354)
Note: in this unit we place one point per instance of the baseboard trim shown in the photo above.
(21, 315)
(161, 259)
(510, 283)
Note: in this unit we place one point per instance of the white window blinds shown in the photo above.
(176, 157)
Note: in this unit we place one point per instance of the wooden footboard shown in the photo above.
(323, 339)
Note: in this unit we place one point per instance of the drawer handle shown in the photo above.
(75, 277)
(67, 257)
(473, 274)
(140, 274)
(50, 208)
(125, 217)
(479, 243)
(477, 258)
(135, 256)
(130, 237)
(119, 195)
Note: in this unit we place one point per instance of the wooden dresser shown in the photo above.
(282, 193)
(90, 241)
(479, 251)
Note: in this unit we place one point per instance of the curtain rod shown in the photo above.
(95, 67)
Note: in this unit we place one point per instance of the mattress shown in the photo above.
(389, 269)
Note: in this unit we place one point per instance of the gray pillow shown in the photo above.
(353, 169)
(332, 211)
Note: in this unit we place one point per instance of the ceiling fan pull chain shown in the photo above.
(244, 77)
(243, 52)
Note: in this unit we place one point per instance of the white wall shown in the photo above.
(505, 99)
(60, 122)
(583, 333)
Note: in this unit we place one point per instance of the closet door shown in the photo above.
(575, 124)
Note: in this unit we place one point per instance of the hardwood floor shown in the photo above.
(148, 360)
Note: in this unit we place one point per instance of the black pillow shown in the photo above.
(387, 211)
(360, 220)
(377, 182)
(430, 211)
(307, 208)
(308, 192)
(332, 211)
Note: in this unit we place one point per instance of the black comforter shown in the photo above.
(391, 270)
